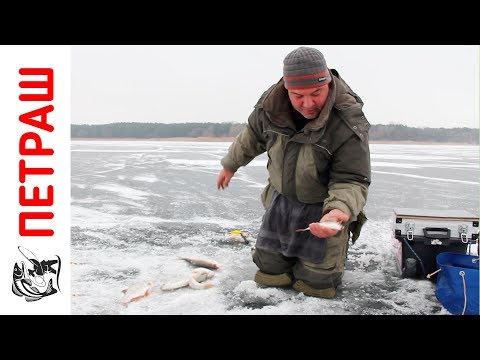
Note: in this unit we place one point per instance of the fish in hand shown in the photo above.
(328, 224)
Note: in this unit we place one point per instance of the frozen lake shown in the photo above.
(137, 205)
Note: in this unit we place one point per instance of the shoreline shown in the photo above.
(179, 139)
(230, 139)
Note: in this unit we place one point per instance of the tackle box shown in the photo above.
(421, 234)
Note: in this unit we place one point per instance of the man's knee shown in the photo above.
(284, 279)
(322, 279)
(272, 262)
(303, 287)
(318, 277)
(275, 269)
(316, 282)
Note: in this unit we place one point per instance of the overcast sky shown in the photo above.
(417, 85)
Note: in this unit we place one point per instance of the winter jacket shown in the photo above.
(327, 162)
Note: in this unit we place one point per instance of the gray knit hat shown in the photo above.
(305, 68)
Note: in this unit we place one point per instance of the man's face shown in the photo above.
(309, 102)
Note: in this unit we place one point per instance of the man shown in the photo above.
(312, 126)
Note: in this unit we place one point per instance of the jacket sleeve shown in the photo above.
(349, 177)
(247, 145)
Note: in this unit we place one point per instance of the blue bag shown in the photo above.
(457, 283)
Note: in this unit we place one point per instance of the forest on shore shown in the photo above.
(138, 130)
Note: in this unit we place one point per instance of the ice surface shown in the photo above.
(137, 205)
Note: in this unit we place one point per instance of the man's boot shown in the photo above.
(273, 280)
(328, 293)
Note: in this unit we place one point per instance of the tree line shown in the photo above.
(159, 130)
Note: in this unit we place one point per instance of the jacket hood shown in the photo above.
(280, 110)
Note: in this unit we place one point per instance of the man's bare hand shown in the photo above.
(324, 232)
(224, 178)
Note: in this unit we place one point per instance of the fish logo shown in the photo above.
(35, 279)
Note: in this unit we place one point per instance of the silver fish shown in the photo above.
(328, 224)
(202, 274)
(197, 276)
(174, 285)
(194, 284)
(201, 262)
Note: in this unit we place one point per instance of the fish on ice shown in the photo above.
(175, 285)
(194, 284)
(136, 292)
(201, 262)
(197, 276)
